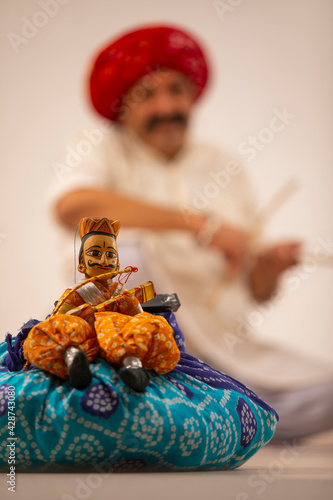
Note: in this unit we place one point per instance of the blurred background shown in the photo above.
(266, 56)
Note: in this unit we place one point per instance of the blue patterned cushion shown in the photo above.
(192, 418)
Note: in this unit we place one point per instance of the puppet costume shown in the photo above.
(47, 342)
(116, 336)
(145, 336)
(99, 318)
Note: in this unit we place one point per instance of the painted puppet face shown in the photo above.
(100, 254)
(160, 113)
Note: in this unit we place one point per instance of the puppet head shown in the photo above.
(98, 253)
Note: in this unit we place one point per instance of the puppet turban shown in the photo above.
(122, 63)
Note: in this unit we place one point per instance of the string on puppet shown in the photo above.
(122, 279)
(75, 234)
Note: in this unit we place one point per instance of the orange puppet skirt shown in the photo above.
(46, 343)
(144, 335)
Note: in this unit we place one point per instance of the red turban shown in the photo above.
(122, 63)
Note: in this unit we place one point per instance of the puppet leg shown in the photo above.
(78, 367)
(133, 374)
(116, 352)
(144, 336)
(48, 346)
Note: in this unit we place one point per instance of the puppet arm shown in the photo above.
(66, 305)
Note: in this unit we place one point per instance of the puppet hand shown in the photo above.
(128, 304)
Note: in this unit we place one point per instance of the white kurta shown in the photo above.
(204, 178)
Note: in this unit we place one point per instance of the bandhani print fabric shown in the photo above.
(192, 418)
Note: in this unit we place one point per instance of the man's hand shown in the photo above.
(269, 266)
(232, 242)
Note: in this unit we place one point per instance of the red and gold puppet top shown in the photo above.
(98, 260)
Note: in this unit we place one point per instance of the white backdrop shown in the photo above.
(268, 57)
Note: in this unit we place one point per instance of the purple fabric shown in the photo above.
(182, 387)
(205, 373)
(101, 400)
(248, 423)
(177, 333)
(14, 360)
(4, 398)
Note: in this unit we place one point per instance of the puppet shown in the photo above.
(99, 317)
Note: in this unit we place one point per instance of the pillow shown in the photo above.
(191, 418)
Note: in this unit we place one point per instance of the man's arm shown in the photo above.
(131, 212)
(231, 241)
(136, 213)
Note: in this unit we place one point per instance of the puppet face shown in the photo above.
(157, 109)
(100, 254)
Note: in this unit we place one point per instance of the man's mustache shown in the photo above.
(155, 120)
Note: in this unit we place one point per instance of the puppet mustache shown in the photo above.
(92, 264)
(173, 118)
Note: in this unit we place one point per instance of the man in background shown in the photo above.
(193, 215)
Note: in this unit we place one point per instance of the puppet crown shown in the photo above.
(104, 225)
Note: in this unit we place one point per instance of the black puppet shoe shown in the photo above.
(134, 375)
(78, 368)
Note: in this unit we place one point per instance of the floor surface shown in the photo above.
(288, 471)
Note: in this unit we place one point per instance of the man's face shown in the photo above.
(157, 109)
(100, 254)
